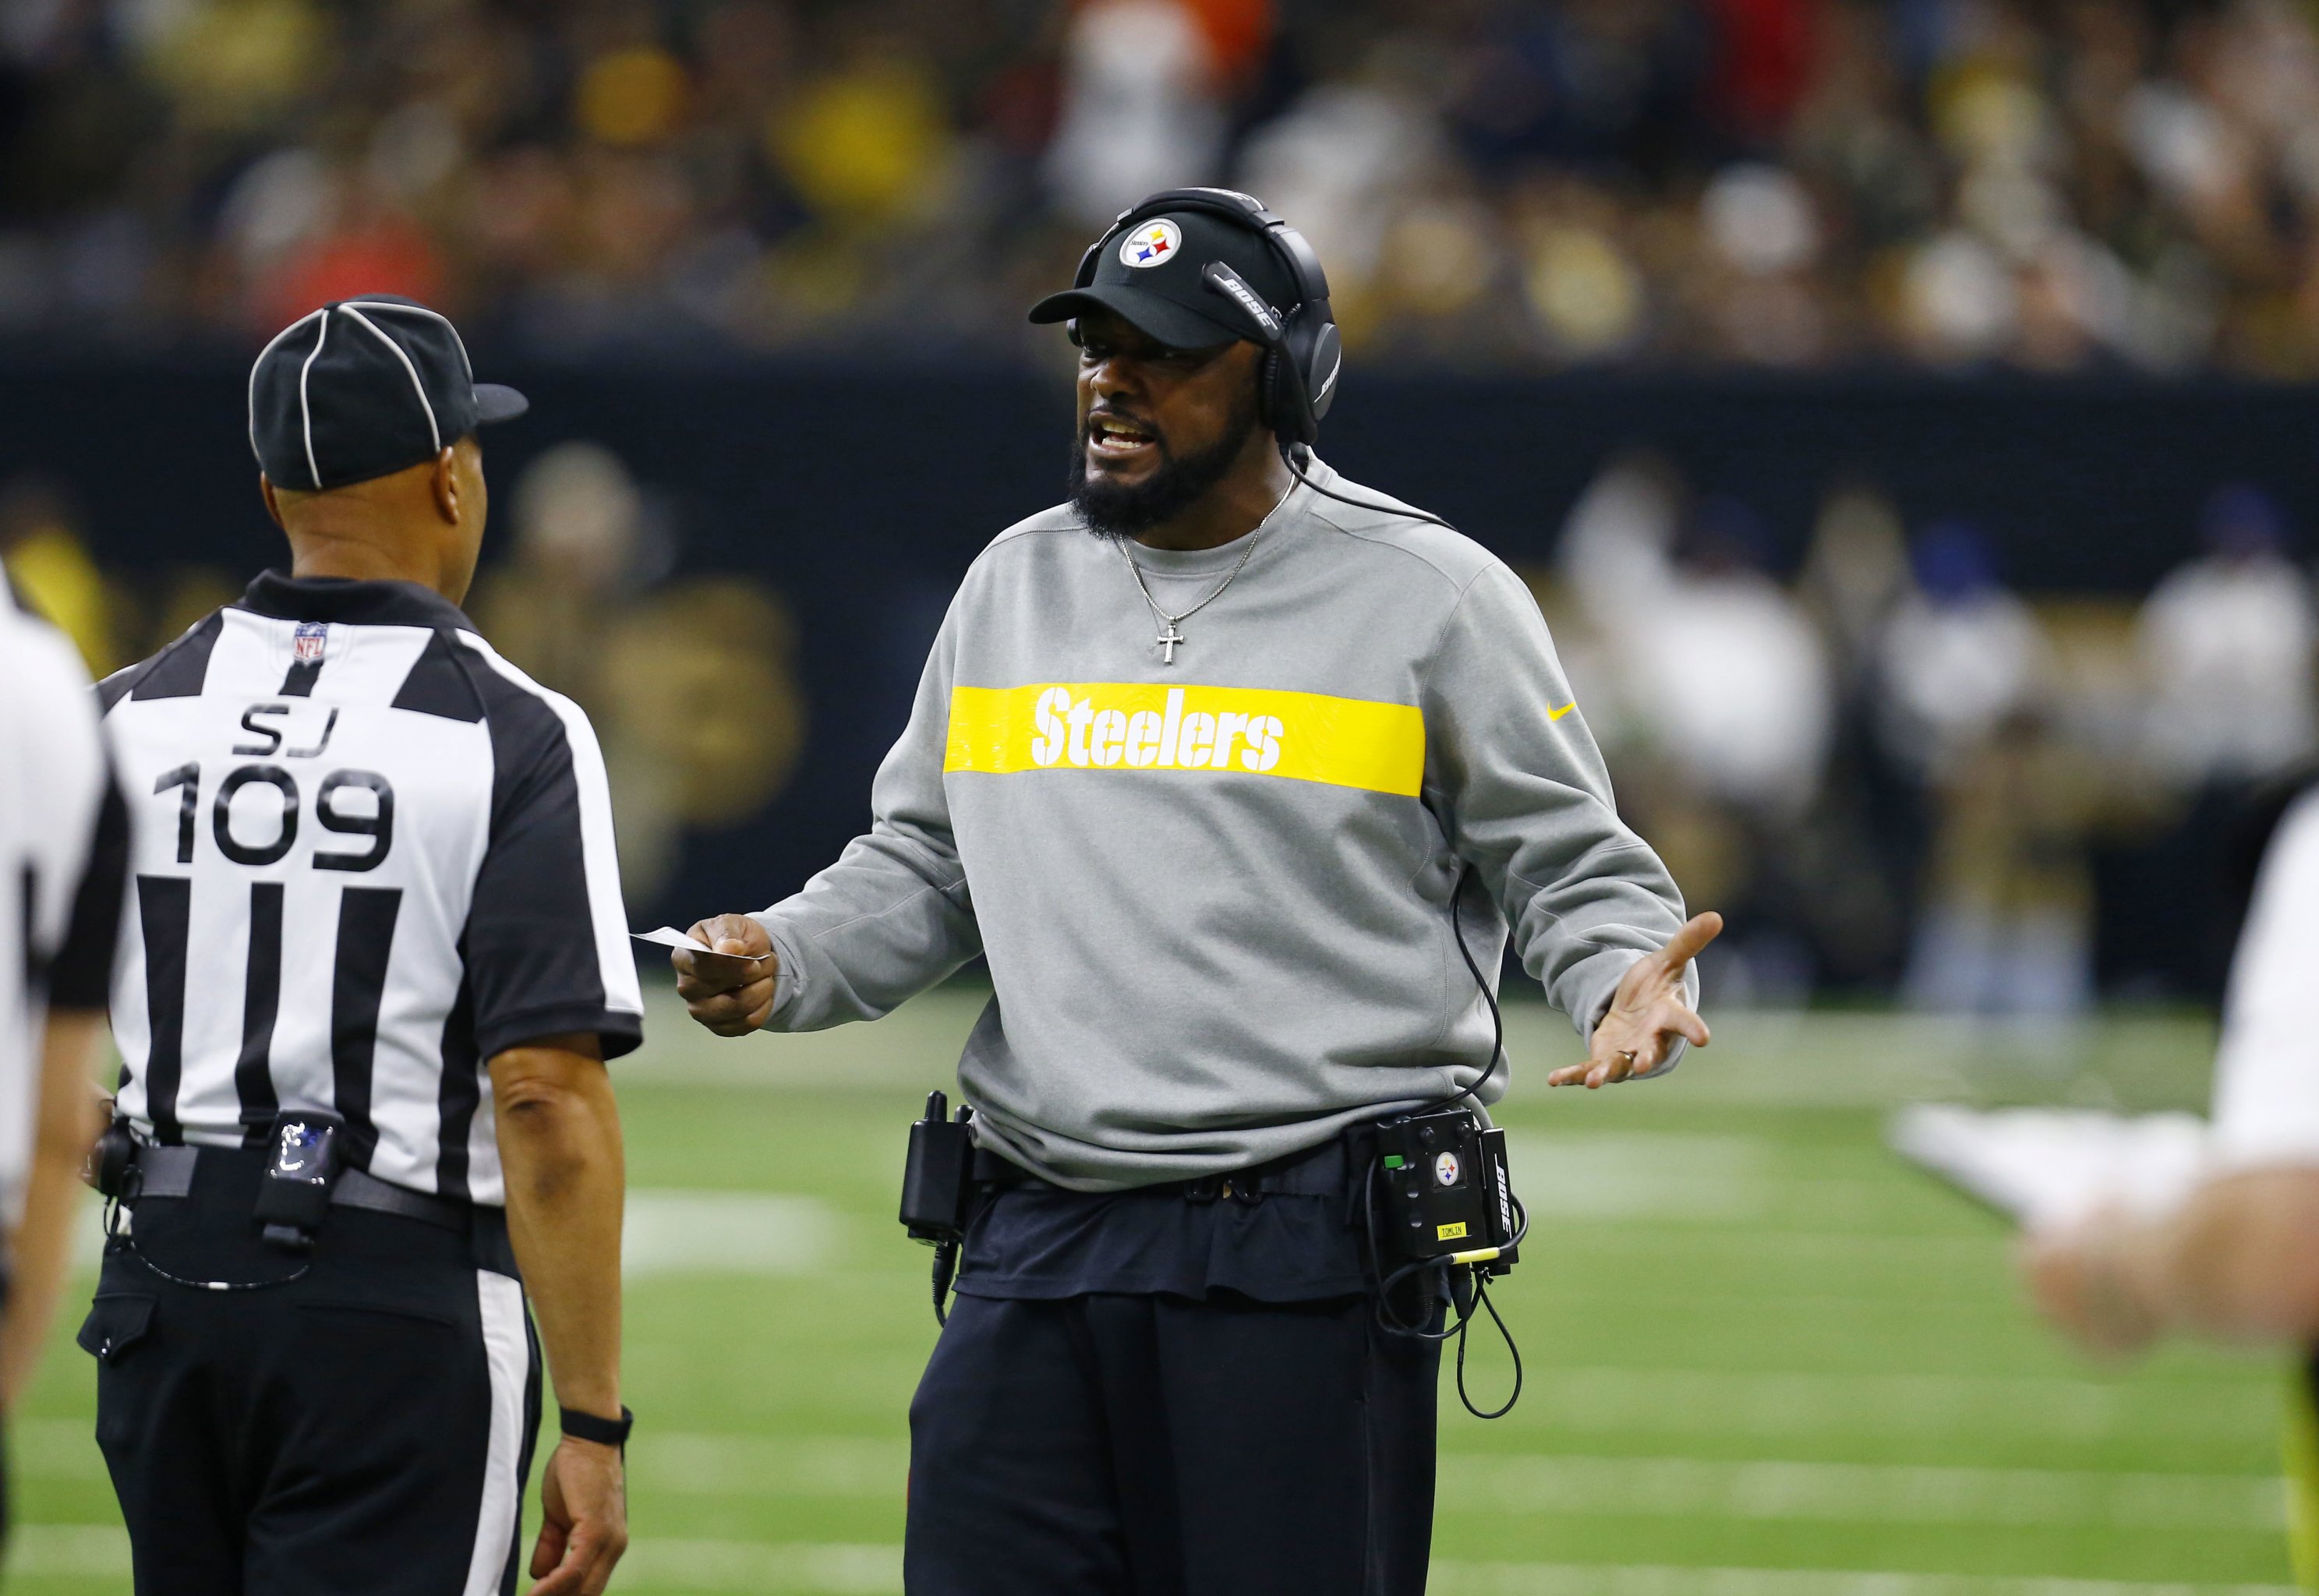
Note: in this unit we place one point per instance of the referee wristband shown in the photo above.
(587, 1427)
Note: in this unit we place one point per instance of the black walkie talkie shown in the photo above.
(938, 1187)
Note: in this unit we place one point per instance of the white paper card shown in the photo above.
(668, 936)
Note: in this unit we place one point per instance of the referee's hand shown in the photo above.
(1648, 1013)
(731, 990)
(583, 1505)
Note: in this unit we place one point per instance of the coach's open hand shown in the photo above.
(731, 990)
(1645, 1015)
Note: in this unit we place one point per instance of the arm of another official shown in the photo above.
(559, 1140)
(2240, 1259)
(2238, 1262)
(890, 918)
(1593, 914)
(67, 1117)
(42, 1242)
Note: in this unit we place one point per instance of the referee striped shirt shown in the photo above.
(370, 854)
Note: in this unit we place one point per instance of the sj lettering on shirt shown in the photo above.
(1106, 725)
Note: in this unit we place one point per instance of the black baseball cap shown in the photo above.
(1155, 274)
(362, 387)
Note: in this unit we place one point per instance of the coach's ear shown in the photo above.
(265, 491)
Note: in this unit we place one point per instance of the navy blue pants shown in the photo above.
(1155, 1446)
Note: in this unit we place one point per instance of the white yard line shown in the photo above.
(1568, 1485)
(1841, 1492)
(1694, 1402)
(1567, 1579)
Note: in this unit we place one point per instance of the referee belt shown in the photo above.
(168, 1172)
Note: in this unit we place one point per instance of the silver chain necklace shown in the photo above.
(1170, 639)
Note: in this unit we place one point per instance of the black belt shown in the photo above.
(168, 1172)
(1314, 1172)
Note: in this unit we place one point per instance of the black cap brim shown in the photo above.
(1178, 327)
(495, 402)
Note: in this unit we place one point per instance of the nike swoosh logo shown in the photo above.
(1559, 713)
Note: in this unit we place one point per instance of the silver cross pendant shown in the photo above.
(1168, 640)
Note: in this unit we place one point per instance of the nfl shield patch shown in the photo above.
(314, 636)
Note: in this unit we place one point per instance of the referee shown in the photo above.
(375, 934)
(64, 847)
(1215, 764)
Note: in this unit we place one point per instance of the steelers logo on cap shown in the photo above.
(1152, 244)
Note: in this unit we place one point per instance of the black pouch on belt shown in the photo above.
(303, 1153)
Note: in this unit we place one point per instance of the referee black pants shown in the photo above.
(364, 1431)
(1154, 1446)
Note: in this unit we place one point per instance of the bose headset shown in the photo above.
(1302, 353)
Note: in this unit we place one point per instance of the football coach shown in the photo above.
(1215, 764)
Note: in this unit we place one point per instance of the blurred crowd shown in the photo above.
(1892, 771)
(2052, 184)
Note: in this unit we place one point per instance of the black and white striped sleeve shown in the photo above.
(80, 974)
(547, 944)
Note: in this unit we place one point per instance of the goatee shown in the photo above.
(1119, 511)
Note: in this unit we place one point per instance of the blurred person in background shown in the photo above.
(2003, 924)
(2226, 648)
(1215, 765)
(2238, 1259)
(1959, 652)
(64, 862)
(1738, 686)
(2227, 644)
(1734, 706)
(585, 607)
(50, 568)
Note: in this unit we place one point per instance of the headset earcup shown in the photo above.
(1291, 404)
(1268, 407)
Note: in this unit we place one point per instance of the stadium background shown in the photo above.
(1900, 410)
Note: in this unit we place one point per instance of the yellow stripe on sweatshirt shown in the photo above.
(1143, 726)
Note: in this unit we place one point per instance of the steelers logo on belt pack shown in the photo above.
(1447, 1169)
(1152, 244)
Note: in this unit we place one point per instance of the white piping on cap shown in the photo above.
(417, 386)
(257, 364)
(305, 408)
(382, 305)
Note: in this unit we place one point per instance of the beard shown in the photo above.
(1115, 512)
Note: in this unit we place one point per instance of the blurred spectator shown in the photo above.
(1140, 107)
(1958, 653)
(2005, 923)
(2226, 644)
(1770, 182)
(575, 607)
(1735, 677)
(49, 567)
(1854, 572)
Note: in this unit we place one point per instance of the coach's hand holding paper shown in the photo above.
(729, 989)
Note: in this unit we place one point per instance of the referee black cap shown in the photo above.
(1153, 274)
(362, 387)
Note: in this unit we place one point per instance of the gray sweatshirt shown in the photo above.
(1215, 895)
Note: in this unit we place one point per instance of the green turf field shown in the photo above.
(1766, 1359)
